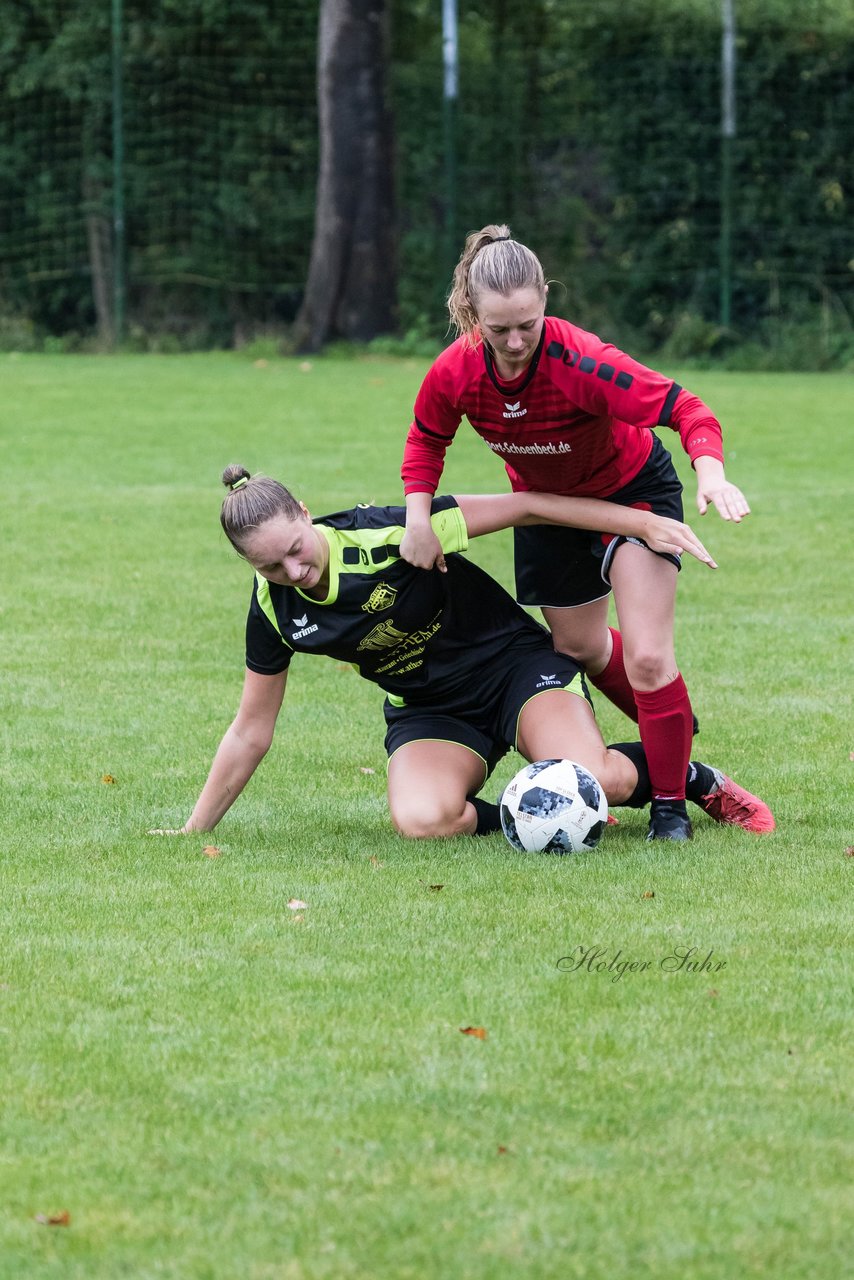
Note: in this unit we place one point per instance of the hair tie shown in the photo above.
(238, 484)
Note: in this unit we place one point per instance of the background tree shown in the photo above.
(350, 289)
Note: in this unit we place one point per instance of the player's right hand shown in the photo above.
(420, 547)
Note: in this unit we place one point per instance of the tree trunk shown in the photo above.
(350, 291)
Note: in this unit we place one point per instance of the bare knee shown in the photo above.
(649, 668)
(427, 818)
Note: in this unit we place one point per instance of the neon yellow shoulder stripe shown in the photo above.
(263, 593)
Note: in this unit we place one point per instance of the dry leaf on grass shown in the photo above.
(297, 904)
(374, 861)
(364, 769)
(502, 1151)
(648, 893)
(849, 852)
(211, 851)
(109, 779)
(62, 1219)
(478, 1032)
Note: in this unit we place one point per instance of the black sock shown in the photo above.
(700, 781)
(488, 816)
(642, 793)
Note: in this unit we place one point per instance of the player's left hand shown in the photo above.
(672, 537)
(727, 499)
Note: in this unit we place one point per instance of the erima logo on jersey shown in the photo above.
(304, 630)
(513, 410)
(544, 681)
(300, 622)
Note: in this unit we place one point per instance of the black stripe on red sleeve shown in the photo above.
(667, 407)
(437, 435)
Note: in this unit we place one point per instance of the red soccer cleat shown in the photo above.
(731, 804)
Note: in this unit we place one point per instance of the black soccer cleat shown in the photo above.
(668, 820)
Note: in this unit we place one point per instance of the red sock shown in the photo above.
(666, 729)
(613, 681)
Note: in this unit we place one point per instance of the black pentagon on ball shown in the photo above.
(559, 843)
(593, 836)
(542, 802)
(537, 766)
(588, 788)
(509, 826)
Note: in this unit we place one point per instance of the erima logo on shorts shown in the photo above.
(304, 630)
(513, 410)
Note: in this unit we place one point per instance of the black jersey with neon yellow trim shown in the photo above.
(421, 635)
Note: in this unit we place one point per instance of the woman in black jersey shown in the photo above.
(467, 673)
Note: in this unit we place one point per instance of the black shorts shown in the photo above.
(559, 568)
(490, 728)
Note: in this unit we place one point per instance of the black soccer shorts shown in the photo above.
(489, 724)
(559, 568)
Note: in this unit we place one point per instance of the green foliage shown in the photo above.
(214, 1088)
(593, 130)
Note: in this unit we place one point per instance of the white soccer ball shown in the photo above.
(553, 806)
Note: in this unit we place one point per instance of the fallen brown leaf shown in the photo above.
(374, 861)
(478, 1032)
(435, 887)
(363, 769)
(211, 851)
(62, 1219)
(648, 893)
(108, 778)
(297, 904)
(502, 1151)
(849, 852)
(713, 992)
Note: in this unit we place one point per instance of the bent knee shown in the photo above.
(428, 822)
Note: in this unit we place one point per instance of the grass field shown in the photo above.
(212, 1084)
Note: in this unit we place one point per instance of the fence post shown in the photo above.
(728, 130)
(118, 177)
(450, 62)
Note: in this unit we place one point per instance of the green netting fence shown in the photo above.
(594, 130)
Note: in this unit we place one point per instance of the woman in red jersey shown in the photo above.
(567, 413)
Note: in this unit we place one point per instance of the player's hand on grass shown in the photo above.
(420, 547)
(672, 536)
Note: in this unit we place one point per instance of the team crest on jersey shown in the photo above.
(382, 597)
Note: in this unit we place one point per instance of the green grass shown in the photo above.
(214, 1085)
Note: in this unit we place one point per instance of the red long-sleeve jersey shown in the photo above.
(577, 421)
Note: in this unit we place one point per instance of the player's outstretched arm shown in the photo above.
(486, 513)
(243, 747)
(714, 488)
